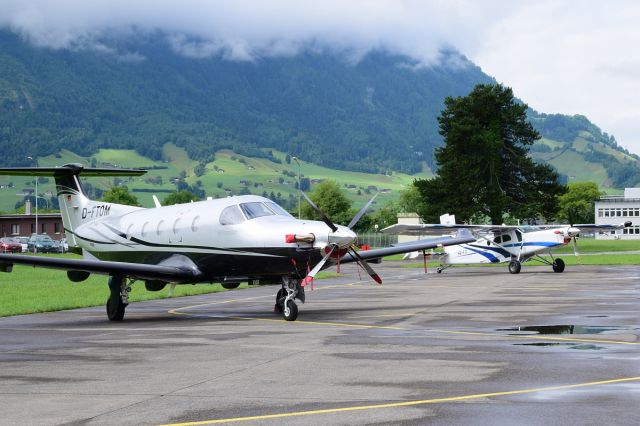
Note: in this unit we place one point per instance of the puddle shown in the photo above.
(568, 329)
(566, 345)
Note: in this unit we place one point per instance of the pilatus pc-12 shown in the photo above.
(228, 240)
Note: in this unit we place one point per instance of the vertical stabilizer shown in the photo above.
(448, 219)
(76, 208)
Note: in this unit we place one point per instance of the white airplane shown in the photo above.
(229, 240)
(514, 244)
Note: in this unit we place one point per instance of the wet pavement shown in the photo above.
(470, 346)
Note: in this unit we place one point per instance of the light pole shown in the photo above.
(299, 187)
(36, 197)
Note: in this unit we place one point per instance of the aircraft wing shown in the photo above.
(591, 226)
(168, 273)
(435, 229)
(407, 247)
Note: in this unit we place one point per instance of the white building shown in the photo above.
(615, 209)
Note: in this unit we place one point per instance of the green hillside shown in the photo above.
(376, 116)
(229, 174)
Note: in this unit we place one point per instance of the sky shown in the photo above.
(559, 56)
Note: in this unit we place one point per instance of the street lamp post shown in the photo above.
(36, 197)
(299, 187)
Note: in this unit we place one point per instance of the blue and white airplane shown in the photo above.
(514, 244)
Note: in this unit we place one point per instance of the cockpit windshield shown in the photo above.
(253, 210)
(278, 210)
(232, 215)
(257, 209)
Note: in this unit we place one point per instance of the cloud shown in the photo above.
(248, 29)
(571, 57)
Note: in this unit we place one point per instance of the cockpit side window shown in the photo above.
(253, 210)
(231, 216)
(506, 238)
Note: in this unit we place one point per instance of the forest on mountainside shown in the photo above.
(378, 115)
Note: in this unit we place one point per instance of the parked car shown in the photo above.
(10, 245)
(41, 244)
(24, 242)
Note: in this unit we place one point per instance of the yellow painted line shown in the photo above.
(405, 403)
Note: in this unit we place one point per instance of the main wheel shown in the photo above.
(115, 308)
(558, 265)
(439, 269)
(293, 311)
(514, 267)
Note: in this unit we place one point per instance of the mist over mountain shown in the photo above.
(373, 113)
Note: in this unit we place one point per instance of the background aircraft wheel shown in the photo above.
(115, 308)
(293, 311)
(515, 266)
(439, 270)
(558, 265)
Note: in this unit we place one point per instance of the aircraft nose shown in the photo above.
(572, 232)
(343, 237)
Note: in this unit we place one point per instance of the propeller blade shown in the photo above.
(317, 268)
(366, 266)
(324, 217)
(362, 211)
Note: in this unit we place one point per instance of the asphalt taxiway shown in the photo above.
(470, 346)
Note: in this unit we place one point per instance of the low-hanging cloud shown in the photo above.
(244, 30)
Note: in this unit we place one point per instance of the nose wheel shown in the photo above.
(285, 304)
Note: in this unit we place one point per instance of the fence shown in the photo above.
(376, 239)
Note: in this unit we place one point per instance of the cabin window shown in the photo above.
(194, 224)
(519, 236)
(143, 231)
(498, 240)
(506, 238)
(129, 229)
(159, 228)
(254, 210)
(175, 226)
(231, 216)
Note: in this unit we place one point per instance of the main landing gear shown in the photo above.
(557, 264)
(285, 304)
(118, 297)
(515, 266)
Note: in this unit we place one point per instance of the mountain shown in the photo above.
(376, 115)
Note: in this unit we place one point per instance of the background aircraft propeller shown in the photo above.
(573, 232)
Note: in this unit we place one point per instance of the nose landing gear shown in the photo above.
(285, 304)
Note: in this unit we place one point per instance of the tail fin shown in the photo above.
(448, 219)
(74, 202)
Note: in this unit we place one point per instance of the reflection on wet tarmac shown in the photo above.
(568, 329)
(566, 345)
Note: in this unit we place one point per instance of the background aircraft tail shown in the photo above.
(75, 205)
